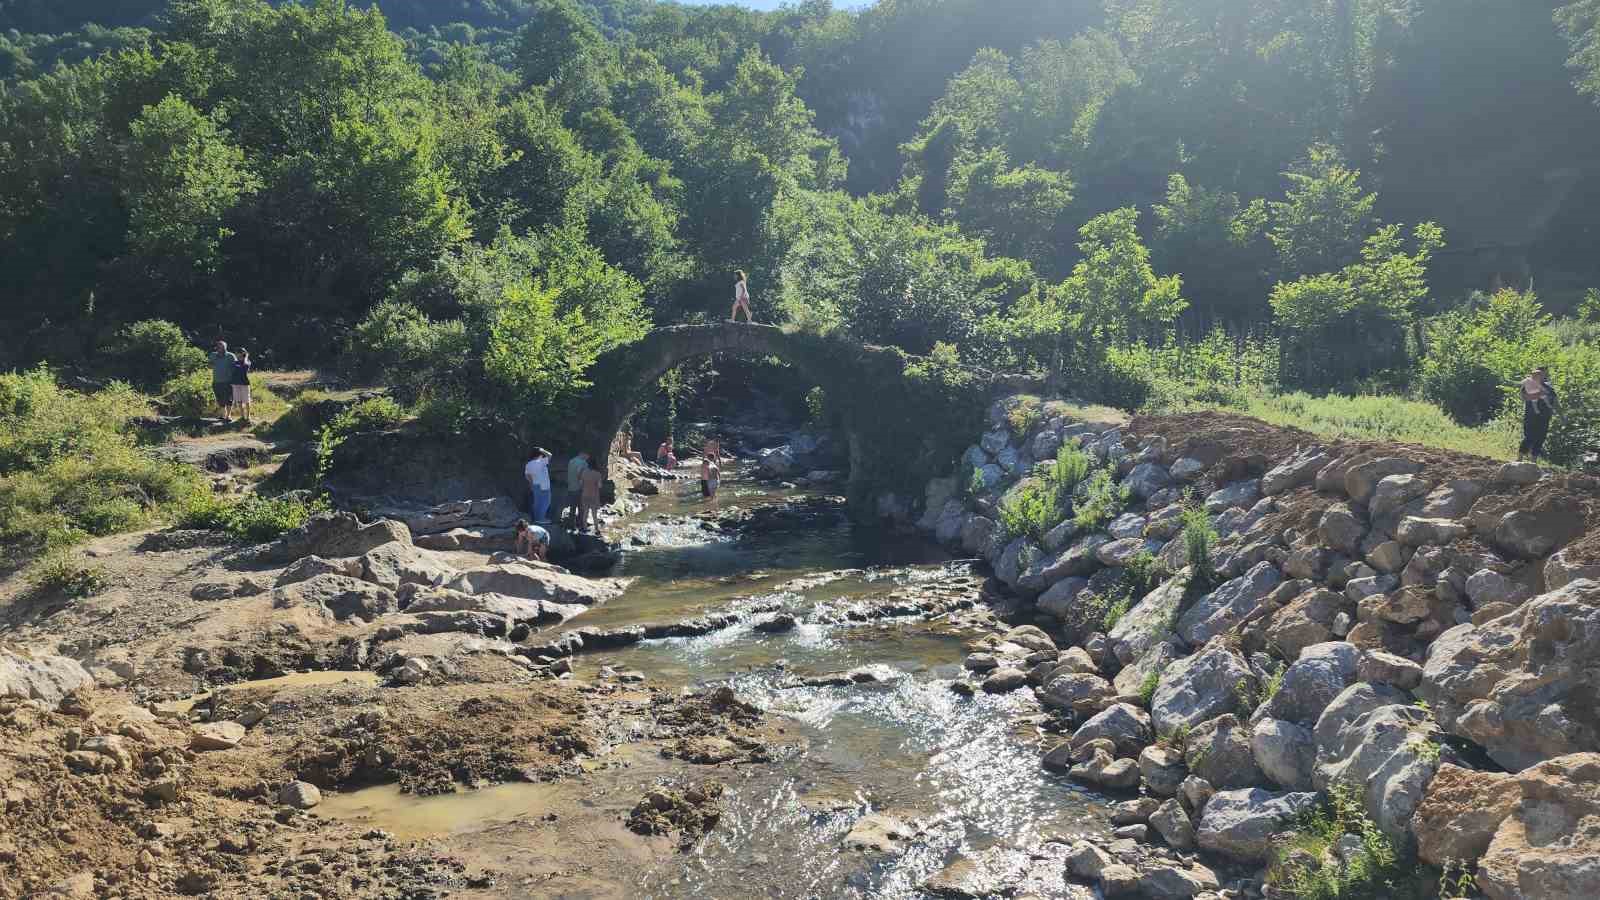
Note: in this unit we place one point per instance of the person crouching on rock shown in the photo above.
(533, 542)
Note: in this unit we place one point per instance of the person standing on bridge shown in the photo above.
(741, 299)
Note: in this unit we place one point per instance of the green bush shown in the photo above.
(254, 518)
(150, 353)
(399, 344)
(371, 414)
(1199, 536)
(70, 466)
(64, 573)
(1307, 867)
(1039, 504)
(1475, 358)
(189, 395)
(1103, 499)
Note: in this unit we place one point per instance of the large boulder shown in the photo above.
(1549, 848)
(1394, 492)
(1018, 556)
(1533, 533)
(1361, 481)
(1163, 769)
(398, 563)
(1148, 479)
(1242, 494)
(979, 535)
(1389, 754)
(1352, 703)
(1565, 566)
(40, 676)
(1225, 607)
(1306, 621)
(1296, 471)
(1219, 751)
(1201, 687)
(308, 567)
(533, 581)
(1242, 824)
(333, 535)
(1461, 812)
(941, 491)
(1079, 692)
(1321, 673)
(1121, 552)
(1125, 725)
(947, 525)
(1342, 529)
(1148, 622)
(1523, 686)
(1285, 752)
(415, 599)
(1452, 500)
(337, 597)
(1132, 678)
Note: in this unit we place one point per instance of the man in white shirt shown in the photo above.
(537, 474)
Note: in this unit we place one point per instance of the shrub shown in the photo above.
(255, 518)
(1308, 868)
(1199, 536)
(62, 572)
(70, 466)
(1147, 688)
(1475, 358)
(1039, 504)
(1102, 500)
(189, 395)
(150, 353)
(371, 414)
(1117, 609)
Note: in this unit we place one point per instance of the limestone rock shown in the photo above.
(1285, 752)
(1103, 770)
(1321, 673)
(1361, 481)
(1125, 725)
(216, 736)
(1533, 533)
(1147, 479)
(1132, 679)
(309, 567)
(879, 833)
(1384, 753)
(300, 795)
(1550, 846)
(1127, 525)
(1563, 568)
(1121, 552)
(40, 676)
(1388, 557)
(396, 563)
(1296, 471)
(337, 597)
(1149, 621)
(1058, 601)
(1306, 621)
(1163, 769)
(1020, 554)
(533, 581)
(1395, 491)
(1239, 494)
(1461, 812)
(1200, 687)
(979, 534)
(1523, 686)
(334, 535)
(1452, 500)
(1224, 607)
(1219, 752)
(1386, 668)
(1487, 586)
(1342, 529)
(1241, 824)
(1165, 882)
(1172, 823)
(1353, 702)
(1416, 531)
(1187, 469)
(1082, 693)
(1005, 680)
(1518, 474)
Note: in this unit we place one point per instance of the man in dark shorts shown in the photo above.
(222, 363)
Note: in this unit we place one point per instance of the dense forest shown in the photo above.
(1159, 200)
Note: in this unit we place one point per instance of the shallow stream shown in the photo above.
(958, 768)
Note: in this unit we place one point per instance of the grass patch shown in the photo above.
(1307, 866)
(71, 467)
(1040, 504)
(1378, 418)
(254, 518)
(190, 395)
(64, 573)
(1199, 536)
(1147, 688)
(1103, 499)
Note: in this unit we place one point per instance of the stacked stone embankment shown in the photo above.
(1417, 628)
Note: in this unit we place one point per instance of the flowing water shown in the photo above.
(906, 745)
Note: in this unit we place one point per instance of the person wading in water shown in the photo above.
(1538, 406)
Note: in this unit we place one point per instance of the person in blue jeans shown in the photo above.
(537, 473)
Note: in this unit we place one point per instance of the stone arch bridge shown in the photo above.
(905, 418)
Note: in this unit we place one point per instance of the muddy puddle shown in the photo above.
(292, 680)
(959, 769)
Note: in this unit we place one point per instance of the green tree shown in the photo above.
(1114, 291)
(1219, 244)
(1580, 22)
(181, 178)
(1018, 211)
(1324, 217)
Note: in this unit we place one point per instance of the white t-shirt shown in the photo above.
(537, 471)
(740, 292)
